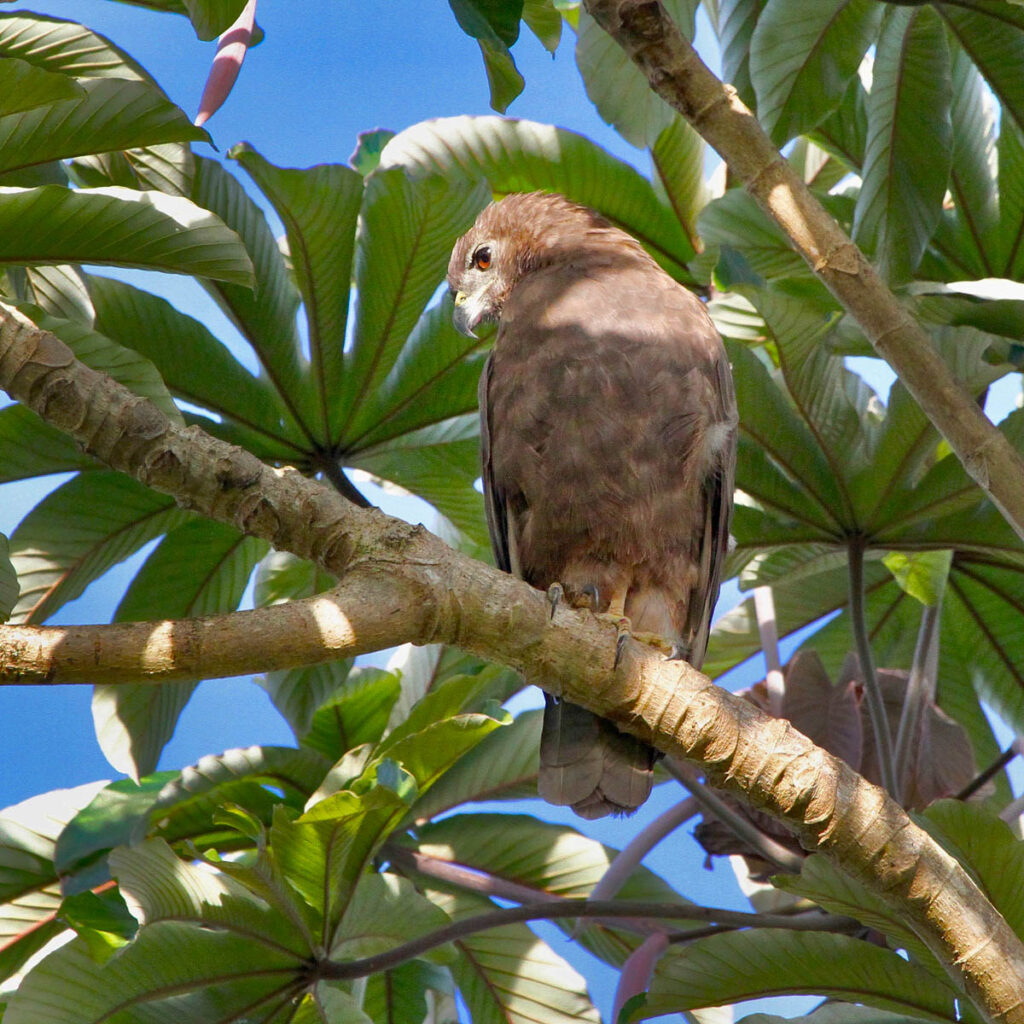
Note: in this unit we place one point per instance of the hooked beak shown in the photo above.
(463, 316)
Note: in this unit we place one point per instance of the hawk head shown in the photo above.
(511, 238)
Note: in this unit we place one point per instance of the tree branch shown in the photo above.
(546, 911)
(678, 75)
(415, 588)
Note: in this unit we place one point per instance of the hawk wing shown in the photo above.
(494, 502)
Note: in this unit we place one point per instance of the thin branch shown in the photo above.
(629, 857)
(768, 629)
(920, 693)
(679, 76)
(573, 908)
(990, 772)
(872, 690)
(765, 847)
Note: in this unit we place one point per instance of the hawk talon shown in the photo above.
(591, 592)
(554, 596)
(623, 634)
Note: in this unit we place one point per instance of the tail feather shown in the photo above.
(588, 764)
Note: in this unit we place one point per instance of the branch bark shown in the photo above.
(675, 71)
(409, 586)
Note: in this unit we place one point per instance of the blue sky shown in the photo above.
(326, 71)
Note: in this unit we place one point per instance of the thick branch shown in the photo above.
(429, 592)
(678, 75)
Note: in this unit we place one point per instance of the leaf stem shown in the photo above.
(993, 769)
(766, 847)
(872, 690)
(767, 628)
(546, 911)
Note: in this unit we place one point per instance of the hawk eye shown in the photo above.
(482, 258)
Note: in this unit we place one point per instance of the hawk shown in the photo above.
(608, 437)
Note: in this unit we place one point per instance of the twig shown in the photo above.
(992, 770)
(872, 690)
(546, 911)
(766, 847)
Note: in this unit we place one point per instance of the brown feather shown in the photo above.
(608, 442)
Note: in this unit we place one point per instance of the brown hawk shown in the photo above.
(608, 429)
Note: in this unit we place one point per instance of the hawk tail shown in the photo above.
(589, 765)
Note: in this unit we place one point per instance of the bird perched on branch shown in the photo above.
(608, 428)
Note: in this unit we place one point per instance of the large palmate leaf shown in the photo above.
(909, 150)
(24, 86)
(803, 54)
(523, 156)
(195, 365)
(118, 227)
(200, 568)
(402, 248)
(78, 532)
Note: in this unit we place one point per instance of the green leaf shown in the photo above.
(399, 995)
(213, 975)
(985, 845)
(678, 159)
(61, 291)
(324, 853)
(552, 859)
(30, 893)
(509, 976)
(29, 447)
(737, 222)
(319, 207)
(761, 962)
(24, 87)
(909, 145)
(439, 463)
(79, 531)
(116, 815)
(922, 575)
(544, 21)
(264, 316)
(112, 114)
(250, 780)
(502, 766)
(737, 20)
(200, 568)
(9, 589)
(434, 378)
(65, 47)
(385, 911)
(494, 24)
(993, 34)
(523, 156)
(196, 366)
(803, 55)
(211, 18)
(102, 354)
(117, 227)
(355, 712)
(369, 146)
(617, 86)
(406, 233)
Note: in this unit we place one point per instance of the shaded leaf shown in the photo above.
(803, 55)
(909, 144)
(78, 532)
(9, 589)
(118, 227)
(736, 22)
(200, 568)
(212, 17)
(318, 207)
(24, 86)
(356, 712)
(740, 965)
(523, 156)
